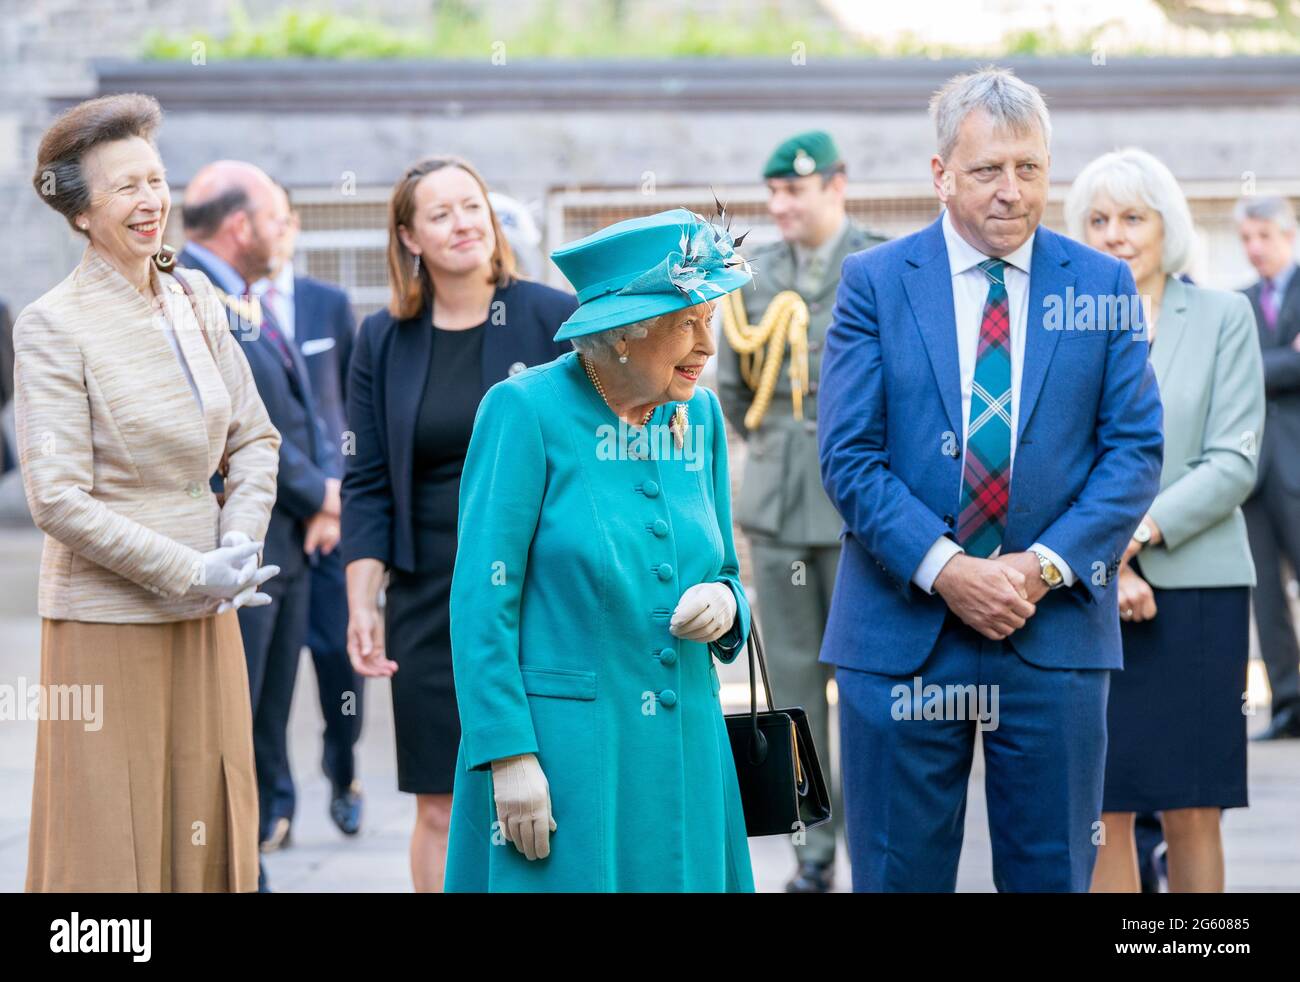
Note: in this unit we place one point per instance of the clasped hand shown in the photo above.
(994, 596)
(231, 573)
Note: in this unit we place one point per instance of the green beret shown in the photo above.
(802, 155)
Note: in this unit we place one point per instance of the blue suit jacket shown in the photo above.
(390, 366)
(300, 482)
(324, 329)
(1087, 461)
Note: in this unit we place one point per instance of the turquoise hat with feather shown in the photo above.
(644, 267)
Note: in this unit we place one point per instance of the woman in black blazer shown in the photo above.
(460, 320)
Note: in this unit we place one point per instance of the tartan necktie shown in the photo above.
(986, 476)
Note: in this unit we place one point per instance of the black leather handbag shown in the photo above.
(781, 785)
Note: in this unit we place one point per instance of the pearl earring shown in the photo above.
(622, 359)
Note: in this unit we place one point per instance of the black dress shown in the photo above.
(416, 621)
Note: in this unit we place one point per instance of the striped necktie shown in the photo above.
(986, 476)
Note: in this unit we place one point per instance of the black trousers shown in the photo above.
(339, 687)
(273, 639)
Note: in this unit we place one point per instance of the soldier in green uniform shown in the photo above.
(792, 526)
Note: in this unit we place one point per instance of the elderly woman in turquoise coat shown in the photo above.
(596, 582)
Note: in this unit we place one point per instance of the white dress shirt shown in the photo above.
(281, 300)
(970, 289)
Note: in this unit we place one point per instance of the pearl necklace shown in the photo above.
(591, 374)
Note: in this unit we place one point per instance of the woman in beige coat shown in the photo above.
(128, 392)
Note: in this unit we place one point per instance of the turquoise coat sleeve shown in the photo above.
(502, 486)
(731, 644)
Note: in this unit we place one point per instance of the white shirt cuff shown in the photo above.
(933, 562)
(1067, 574)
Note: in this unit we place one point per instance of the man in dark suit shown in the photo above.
(316, 318)
(234, 219)
(1268, 227)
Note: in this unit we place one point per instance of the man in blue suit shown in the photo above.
(990, 433)
(316, 317)
(234, 219)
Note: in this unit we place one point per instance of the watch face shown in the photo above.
(1143, 534)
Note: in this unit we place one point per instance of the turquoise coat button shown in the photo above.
(665, 572)
(668, 656)
(651, 489)
(660, 528)
(668, 697)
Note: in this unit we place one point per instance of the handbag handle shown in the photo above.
(754, 648)
(758, 742)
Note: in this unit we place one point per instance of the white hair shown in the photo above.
(1130, 177)
(1266, 208)
(1012, 103)
(602, 345)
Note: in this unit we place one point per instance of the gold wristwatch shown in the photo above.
(1048, 571)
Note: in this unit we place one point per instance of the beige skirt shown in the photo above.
(153, 788)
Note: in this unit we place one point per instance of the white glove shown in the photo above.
(251, 573)
(704, 613)
(523, 799)
(222, 574)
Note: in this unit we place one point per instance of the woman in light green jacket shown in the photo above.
(1175, 726)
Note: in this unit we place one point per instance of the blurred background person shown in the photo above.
(1267, 226)
(1176, 733)
(234, 218)
(525, 238)
(793, 529)
(125, 405)
(459, 321)
(316, 318)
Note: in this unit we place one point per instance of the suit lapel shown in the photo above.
(1170, 328)
(1048, 276)
(1288, 311)
(500, 345)
(304, 319)
(783, 269)
(929, 291)
(853, 240)
(407, 372)
(129, 309)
